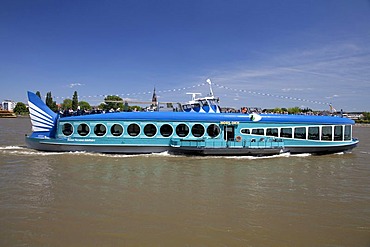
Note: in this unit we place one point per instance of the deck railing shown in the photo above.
(264, 142)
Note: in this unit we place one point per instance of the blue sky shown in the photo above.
(266, 53)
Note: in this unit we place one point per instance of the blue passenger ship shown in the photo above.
(199, 129)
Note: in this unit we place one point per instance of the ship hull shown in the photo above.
(60, 146)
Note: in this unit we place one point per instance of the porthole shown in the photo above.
(67, 129)
(166, 130)
(133, 129)
(83, 129)
(100, 129)
(116, 130)
(182, 130)
(213, 130)
(197, 130)
(150, 130)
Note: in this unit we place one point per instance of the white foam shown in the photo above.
(11, 147)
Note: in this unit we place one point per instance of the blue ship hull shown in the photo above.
(188, 133)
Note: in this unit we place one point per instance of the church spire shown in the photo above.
(154, 98)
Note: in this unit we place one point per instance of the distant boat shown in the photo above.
(199, 129)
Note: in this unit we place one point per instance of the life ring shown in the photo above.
(238, 138)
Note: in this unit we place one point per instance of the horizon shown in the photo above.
(265, 54)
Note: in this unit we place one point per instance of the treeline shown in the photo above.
(115, 103)
(365, 119)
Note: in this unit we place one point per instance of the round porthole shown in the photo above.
(197, 130)
(83, 129)
(67, 129)
(116, 130)
(213, 130)
(166, 130)
(150, 130)
(100, 129)
(133, 129)
(182, 130)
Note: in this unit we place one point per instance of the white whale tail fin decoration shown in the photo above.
(42, 118)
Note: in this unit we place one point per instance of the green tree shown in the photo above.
(84, 105)
(20, 108)
(277, 110)
(294, 110)
(38, 94)
(75, 101)
(50, 103)
(366, 115)
(112, 102)
(67, 104)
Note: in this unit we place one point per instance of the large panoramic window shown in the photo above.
(347, 132)
(166, 130)
(83, 129)
(213, 130)
(245, 131)
(150, 130)
(326, 133)
(286, 132)
(258, 132)
(67, 129)
(338, 133)
(272, 132)
(197, 130)
(182, 130)
(300, 133)
(116, 130)
(313, 133)
(133, 129)
(100, 129)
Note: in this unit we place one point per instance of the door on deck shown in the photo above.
(229, 133)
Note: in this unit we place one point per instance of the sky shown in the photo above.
(266, 53)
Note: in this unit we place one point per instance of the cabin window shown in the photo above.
(182, 130)
(300, 133)
(313, 133)
(272, 132)
(338, 133)
(197, 130)
(116, 130)
(83, 129)
(67, 129)
(133, 129)
(100, 129)
(347, 132)
(286, 132)
(245, 131)
(166, 130)
(150, 130)
(260, 132)
(326, 133)
(213, 130)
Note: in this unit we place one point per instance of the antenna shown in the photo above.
(210, 86)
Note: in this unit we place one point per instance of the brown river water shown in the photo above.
(83, 199)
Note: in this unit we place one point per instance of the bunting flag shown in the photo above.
(138, 94)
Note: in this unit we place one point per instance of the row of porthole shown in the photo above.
(150, 130)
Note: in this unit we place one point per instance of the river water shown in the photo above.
(82, 199)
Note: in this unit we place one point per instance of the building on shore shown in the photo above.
(8, 105)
